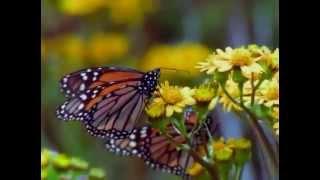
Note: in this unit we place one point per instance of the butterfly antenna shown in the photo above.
(174, 69)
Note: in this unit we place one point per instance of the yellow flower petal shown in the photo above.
(223, 65)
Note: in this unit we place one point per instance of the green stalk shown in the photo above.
(239, 170)
(258, 131)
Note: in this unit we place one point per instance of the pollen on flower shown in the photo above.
(172, 99)
(170, 94)
(241, 57)
(204, 93)
(156, 108)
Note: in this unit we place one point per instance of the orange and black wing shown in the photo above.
(157, 150)
(112, 102)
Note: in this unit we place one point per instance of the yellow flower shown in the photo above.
(264, 54)
(61, 161)
(107, 46)
(195, 169)
(233, 89)
(156, 108)
(204, 93)
(81, 7)
(222, 151)
(175, 56)
(240, 143)
(223, 61)
(268, 93)
(176, 98)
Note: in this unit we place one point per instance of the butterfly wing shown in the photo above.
(111, 103)
(79, 81)
(158, 151)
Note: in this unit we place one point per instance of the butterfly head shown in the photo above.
(150, 82)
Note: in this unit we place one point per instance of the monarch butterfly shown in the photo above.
(109, 100)
(160, 152)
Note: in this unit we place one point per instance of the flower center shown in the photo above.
(272, 93)
(172, 95)
(241, 58)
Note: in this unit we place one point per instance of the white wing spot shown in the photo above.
(82, 87)
(83, 97)
(84, 78)
(132, 136)
(132, 144)
(134, 151)
(81, 106)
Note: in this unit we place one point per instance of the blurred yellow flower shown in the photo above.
(81, 7)
(183, 56)
(268, 93)
(275, 113)
(173, 99)
(223, 61)
(67, 46)
(44, 158)
(130, 11)
(276, 127)
(156, 108)
(240, 143)
(61, 161)
(222, 151)
(195, 169)
(233, 89)
(107, 46)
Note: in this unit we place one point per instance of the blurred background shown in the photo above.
(142, 34)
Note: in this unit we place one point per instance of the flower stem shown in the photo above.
(238, 172)
(254, 88)
(258, 131)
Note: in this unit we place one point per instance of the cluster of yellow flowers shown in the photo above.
(181, 56)
(172, 99)
(259, 68)
(54, 165)
(256, 67)
(249, 60)
(121, 11)
(100, 47)
(226, 151)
